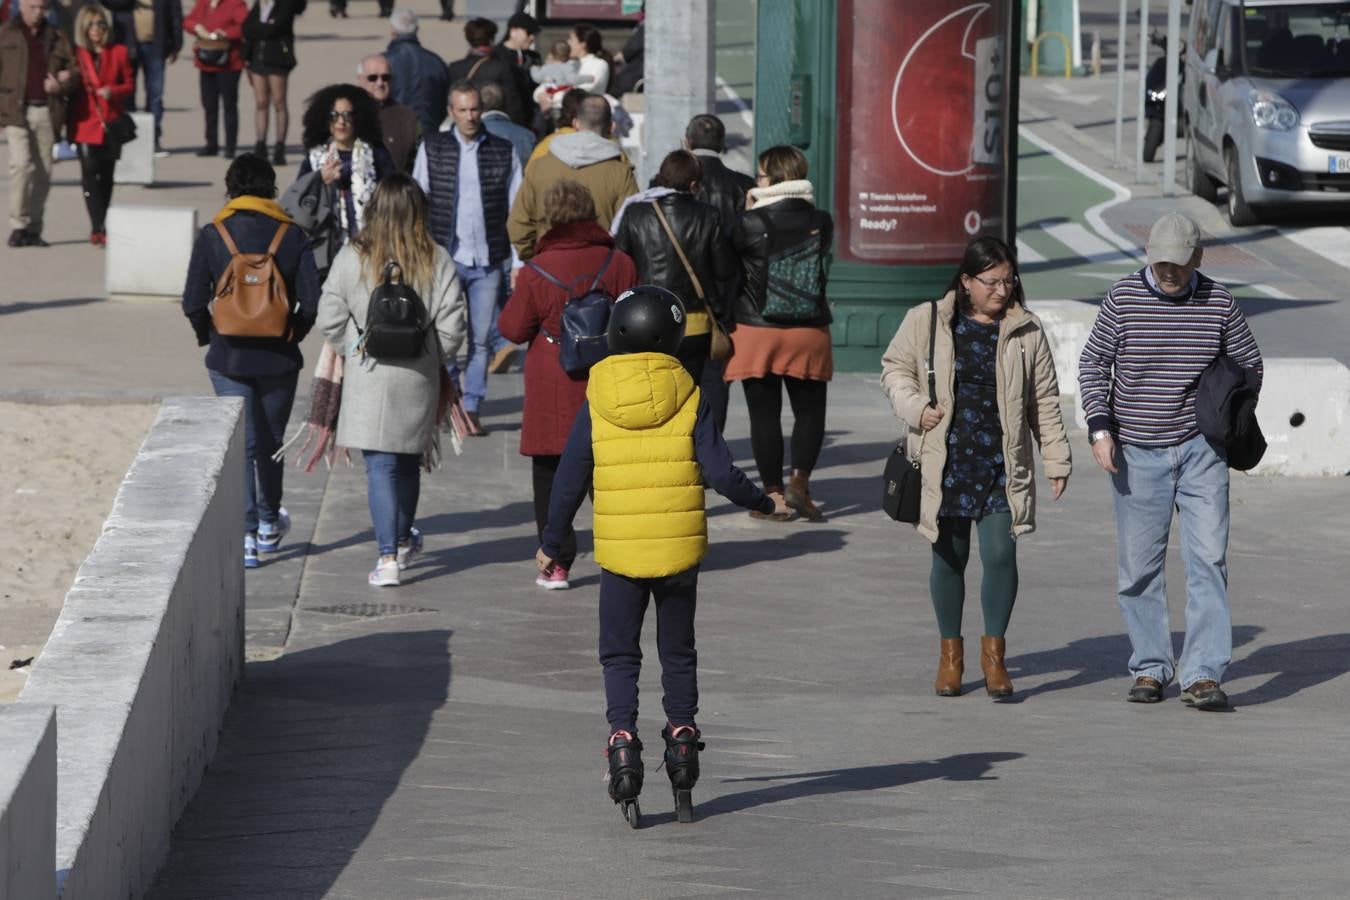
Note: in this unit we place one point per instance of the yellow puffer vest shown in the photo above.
(649, 520)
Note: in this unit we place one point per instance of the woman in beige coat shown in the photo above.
(996, 390)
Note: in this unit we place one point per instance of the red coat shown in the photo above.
(572, 254)
(112, 71)
(227, 18)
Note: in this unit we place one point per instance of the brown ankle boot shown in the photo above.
(996, 680)
(951, 664)
(798, 496)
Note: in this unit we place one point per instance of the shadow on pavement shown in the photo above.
(792, 544)
(1294, 666)
(961, 767)
(314, 745)
(9, 309)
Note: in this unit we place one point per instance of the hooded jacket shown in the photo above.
(648, 441)
(1028, 405)
(582, 156)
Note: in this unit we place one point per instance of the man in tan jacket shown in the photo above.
(586, 156)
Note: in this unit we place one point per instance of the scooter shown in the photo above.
(1155, 95)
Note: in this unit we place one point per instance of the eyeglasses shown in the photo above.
(761, 175)
(101, 26)
(345, 115)
(380, 76)
(992, 283)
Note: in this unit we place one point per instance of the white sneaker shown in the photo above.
(385, 573)
(406, 552)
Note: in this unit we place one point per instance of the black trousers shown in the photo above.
(544, 468)
(693, 355)
(97, 163)
(623, 605)
(764, 400)
(221, 88)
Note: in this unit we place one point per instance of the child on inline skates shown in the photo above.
(649, 442)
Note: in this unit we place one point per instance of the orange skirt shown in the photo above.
(760, 350)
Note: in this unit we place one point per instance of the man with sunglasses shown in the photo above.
(398, 122)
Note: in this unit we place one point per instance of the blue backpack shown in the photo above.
(585, 322)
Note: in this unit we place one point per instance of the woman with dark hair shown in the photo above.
(261, 370)
(269, 53)
(995, 390)
(588, 48)
(218, 27)
(782, 324)
(389, 405)
(105, 84)
(573, 251)
(344, 150)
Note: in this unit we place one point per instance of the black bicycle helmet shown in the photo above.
(646, 319)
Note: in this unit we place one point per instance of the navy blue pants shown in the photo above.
(623, 604)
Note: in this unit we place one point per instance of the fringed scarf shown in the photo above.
(363, 179)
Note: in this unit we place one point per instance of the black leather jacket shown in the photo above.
(723, 188)
(699, 229)
(760, 234)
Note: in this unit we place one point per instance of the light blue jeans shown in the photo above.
(486, 287)
(393, 485)
(1192, 478)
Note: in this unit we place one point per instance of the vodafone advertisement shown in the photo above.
(924, 128)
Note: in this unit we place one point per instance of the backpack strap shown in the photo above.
(548, 276)
(229, 241)
(603, 266)
(476, 66)
(273, 247)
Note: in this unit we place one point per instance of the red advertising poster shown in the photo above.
(924, 128)
(600, 10)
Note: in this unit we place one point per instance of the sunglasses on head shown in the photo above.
(380, 76)
(345, 115)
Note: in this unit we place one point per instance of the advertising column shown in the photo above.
(925, 128)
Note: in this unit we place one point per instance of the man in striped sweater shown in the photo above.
(1157, 330)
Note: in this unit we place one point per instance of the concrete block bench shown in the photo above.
(148, 251)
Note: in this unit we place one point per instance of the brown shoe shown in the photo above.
(996, 680)
(951, 665)
(774, 494)
(798, 496)
(501, 361)
(476, 428)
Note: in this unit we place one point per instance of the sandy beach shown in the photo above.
(62, 467)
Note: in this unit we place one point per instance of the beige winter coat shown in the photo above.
(1028, 401)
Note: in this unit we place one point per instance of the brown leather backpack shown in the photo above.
(251, 298)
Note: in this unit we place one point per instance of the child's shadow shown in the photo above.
(961, 767)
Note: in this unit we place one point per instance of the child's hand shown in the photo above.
(780, 507)
(543, 561)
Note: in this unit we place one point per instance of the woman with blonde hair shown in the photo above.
(389, 405)
(105, 84)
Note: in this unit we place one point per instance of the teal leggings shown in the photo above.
(947, 580)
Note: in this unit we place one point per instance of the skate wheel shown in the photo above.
(631, 813)
(684, 805)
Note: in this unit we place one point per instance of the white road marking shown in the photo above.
(747, 116)
(1081, 241)
(1094, 214)
(1271, 291)
(1330, 242)
(1025, 254)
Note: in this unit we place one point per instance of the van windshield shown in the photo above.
(1310, 40)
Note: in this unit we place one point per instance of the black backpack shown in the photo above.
(396, 320)
(585, 322)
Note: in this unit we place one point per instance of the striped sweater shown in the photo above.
(1138, 372)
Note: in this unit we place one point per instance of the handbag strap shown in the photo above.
(91, 76)
(932, 340)
(476, 66)
(679, 251)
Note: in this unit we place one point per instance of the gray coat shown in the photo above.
(390, 405)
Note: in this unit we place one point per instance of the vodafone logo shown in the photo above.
(972, 222)
(939, 139)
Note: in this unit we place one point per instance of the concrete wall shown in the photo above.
(27, 801)
(147, 651)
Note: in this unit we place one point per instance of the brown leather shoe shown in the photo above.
(798, 496)
(996, 680)
(951, 665)
(502, 359)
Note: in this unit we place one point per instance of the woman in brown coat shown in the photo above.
(996, 391)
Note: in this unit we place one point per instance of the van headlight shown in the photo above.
(1272, 111)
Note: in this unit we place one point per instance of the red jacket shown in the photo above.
(227, 18)
(572, 254)
(111, 71)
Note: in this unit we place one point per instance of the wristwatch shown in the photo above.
(1096, 436)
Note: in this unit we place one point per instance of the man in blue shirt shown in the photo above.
(471, 178)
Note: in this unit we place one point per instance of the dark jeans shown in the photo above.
(623, 604)
(393, 485)
(947, 579)
(267, 408)
(217, 87)
(764, 401)
(544, 469)
(149, 61)
(716, 391)
(97, 163)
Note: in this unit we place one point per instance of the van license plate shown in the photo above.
(1338, 165)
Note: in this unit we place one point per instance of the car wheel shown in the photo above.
(1153, 139)
(1198, 181)
(1239, 213)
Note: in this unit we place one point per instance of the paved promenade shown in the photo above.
(443, 739)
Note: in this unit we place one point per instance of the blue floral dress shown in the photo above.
(974, 483)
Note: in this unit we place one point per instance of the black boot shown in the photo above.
(279, 154)
(682, 747)
(625, 766)
(260, 149)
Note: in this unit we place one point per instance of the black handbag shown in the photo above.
(214, 54)
(120, 131)
(902, 478)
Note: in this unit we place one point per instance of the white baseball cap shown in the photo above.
(1173, 239)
